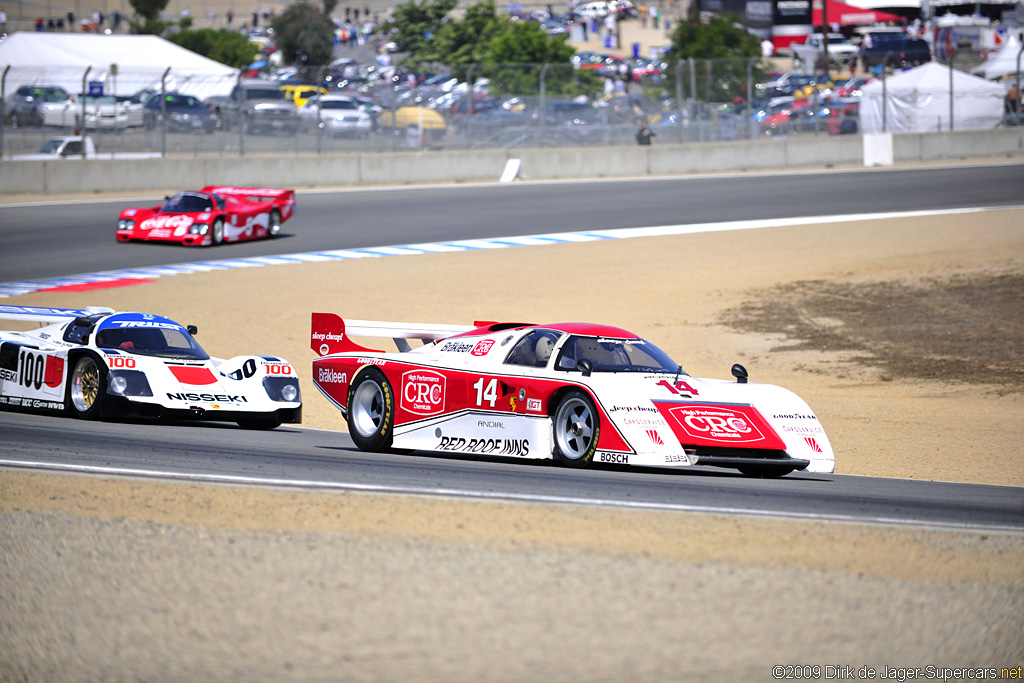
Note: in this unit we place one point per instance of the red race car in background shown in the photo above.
(210, 216)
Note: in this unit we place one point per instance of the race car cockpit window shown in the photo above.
(163, 342)
(614, 355)
(534, 349)
(188, 202)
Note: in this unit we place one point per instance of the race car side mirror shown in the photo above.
(193, 330)
(586, 366)
(82, 321)
(740, 373)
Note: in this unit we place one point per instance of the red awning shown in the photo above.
(848, 15)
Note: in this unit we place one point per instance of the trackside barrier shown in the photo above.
(77, 176)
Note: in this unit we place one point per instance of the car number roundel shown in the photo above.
(423, 392)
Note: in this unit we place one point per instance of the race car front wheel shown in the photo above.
(217, 236)
(576, 430)
(371, 411)
(274, 227)
(87, 388)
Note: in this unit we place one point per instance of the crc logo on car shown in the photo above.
(482, 347)
(716, 423)
(423, 392)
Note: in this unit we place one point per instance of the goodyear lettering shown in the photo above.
(794, 416)
(329, 376)
(619, 458)
(208, 398)
(519, 447)
(371, 361)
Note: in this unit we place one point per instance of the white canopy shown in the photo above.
(917, 101)
(1003, 62)
(62, 59)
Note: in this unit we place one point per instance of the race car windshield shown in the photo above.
(614, 355)
(187, 202)
(162, 342)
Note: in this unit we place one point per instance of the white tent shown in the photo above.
(918, 101)
(1003, 62)
(123, 63)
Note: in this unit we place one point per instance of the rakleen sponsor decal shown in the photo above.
(456, 347)
(423, 392)
(482, 347)
(485, 446)
(618, 458)
(208, 398)
(329, 376)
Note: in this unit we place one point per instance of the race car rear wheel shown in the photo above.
(217, 236)
(87, 389)
(274, 226)
(576, 428)
(371, 411)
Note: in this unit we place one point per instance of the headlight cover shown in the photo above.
(284, 389)
(198, 229)
(125, 224)
(128, 383)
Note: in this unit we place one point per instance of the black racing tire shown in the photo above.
(217, 232)
(274, 224)
(87, 388)
(371, 411)
(576, 428)
(260, 422)
(765, 472)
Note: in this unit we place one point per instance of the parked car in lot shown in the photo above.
(32, 105)
(134, 105)
(181, 113)
(102, 111)
(257, 106)
(894, 49)
(336, 115)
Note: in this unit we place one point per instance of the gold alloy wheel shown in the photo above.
(85, 385)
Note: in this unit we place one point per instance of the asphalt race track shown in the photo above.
(54, 239)
(318, 459)
(60, 239)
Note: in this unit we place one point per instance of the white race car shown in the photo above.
(578, 393)
(95, 362)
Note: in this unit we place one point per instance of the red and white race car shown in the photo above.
(210, 216)
(577, 393)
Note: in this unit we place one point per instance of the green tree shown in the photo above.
(415, 24)
(147, 17)
(518, 55)
(725, 51)
(222, 45)
(305, 35)
(464, 41)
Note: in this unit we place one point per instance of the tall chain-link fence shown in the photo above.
(372, 109)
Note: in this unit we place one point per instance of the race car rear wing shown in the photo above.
(329, 333)
(262, 194)
(48, 315)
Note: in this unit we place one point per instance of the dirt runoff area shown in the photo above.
(904, 336)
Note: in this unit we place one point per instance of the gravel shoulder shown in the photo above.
(125, 580)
